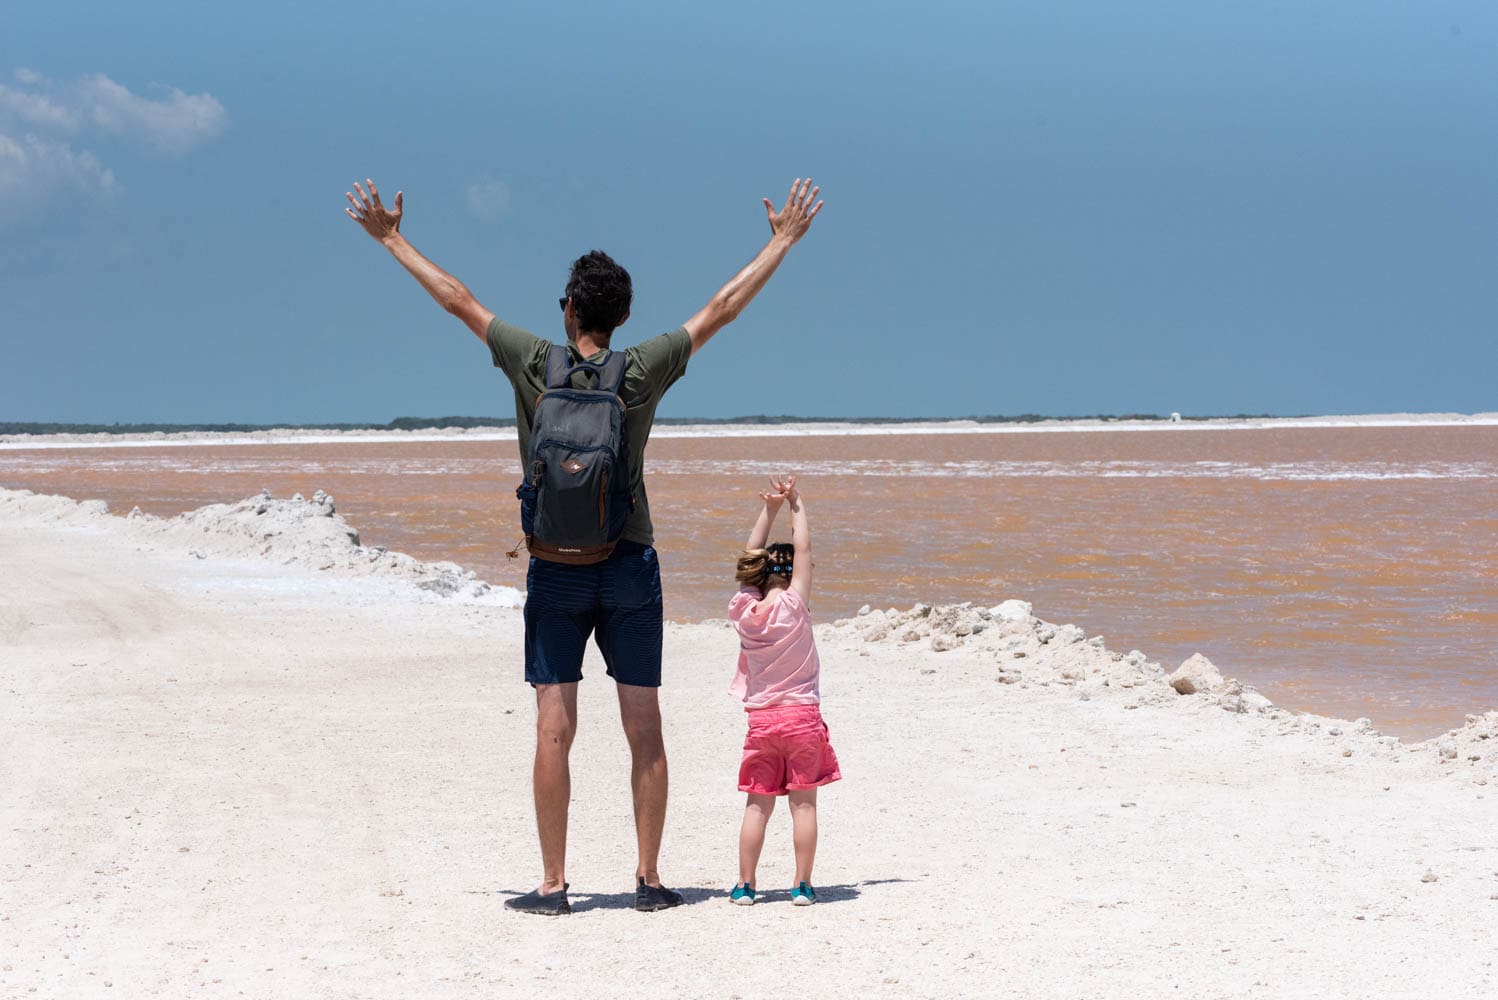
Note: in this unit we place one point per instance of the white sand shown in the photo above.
(227, 772)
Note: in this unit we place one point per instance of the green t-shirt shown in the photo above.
(653, 367)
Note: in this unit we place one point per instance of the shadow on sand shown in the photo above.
(584, 901)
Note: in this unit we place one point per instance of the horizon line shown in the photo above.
(43, 427)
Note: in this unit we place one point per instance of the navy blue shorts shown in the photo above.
(618, 600)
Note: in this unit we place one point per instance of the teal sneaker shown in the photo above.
(803, 894)
(742, 895)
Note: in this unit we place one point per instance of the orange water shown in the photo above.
(1342, 570)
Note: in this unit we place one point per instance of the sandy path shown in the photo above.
(232, 779)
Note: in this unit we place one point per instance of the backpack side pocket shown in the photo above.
(527, 493)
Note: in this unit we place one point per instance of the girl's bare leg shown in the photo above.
(752, 835)
(804, 831)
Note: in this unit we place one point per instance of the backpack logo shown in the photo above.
(576, 495)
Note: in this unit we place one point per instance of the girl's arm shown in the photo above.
(761, 530)
(760, 533)
(801, 542)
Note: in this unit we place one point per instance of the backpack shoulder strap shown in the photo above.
(557, 367)
(611, 372)
(608, 374)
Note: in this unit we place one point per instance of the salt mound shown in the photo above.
(1029, 651)
(25, 505)
(1475, 745)
(295, 532)
(1197, 674)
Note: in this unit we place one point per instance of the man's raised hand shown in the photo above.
(377, 220)
(794, 217)
(786, 227)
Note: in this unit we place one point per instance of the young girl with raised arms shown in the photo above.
(787, 750)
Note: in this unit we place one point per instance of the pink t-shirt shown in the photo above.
(778, 662)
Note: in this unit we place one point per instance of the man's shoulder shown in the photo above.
(516, 350)
(501, 330)
(656, 363)
(666, 343)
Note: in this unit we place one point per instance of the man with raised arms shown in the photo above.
(617, 600)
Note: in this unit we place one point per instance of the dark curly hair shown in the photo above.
(600, 291)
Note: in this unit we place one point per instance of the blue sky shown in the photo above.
(1047, 207)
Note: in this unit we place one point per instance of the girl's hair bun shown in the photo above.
(754, 566)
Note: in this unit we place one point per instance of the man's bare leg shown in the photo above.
(639, 710)
(556, 725)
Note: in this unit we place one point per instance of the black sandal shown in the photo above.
(649, 898)
(547, 904)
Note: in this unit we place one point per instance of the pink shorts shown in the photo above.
(786, 751)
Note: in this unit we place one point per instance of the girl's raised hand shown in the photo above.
(788, 491)
(775, 496)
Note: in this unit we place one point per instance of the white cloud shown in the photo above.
(43, 122)
(175, 124)
(34, 169)
(35, 109)
(488, 200)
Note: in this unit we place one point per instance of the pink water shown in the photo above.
(1350, 571)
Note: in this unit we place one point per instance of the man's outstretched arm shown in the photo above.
(384, 225)
(786, 227)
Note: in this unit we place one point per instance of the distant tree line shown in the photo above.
(399, 424)
(434, 423)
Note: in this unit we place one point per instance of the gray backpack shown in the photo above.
(576, 494)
